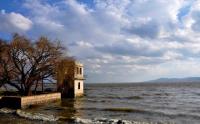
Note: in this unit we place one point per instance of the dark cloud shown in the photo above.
(196, 26)
(148, 30)
(196, 17)
(126, 48)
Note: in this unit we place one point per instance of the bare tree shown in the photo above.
(6, 67)
(24, 63)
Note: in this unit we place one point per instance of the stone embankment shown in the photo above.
(25, 101)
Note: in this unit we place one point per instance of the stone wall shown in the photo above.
(24, 102)
(38, 99)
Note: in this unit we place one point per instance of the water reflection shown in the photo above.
(71, 109)
(66, 109)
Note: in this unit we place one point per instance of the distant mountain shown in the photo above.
(176, 80)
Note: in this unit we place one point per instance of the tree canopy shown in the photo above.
(25, 63)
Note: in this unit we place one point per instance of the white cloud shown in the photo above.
(14, 22)
(143, 38)
(130, 33)
(84, 44)
(78, 8)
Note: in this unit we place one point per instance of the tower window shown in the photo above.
(79, 85)
(77, 70)
(80, 70)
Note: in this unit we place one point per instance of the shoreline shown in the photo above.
(76, 120)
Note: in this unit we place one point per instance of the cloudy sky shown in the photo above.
(117, 40)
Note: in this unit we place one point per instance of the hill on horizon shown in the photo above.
(176, 80)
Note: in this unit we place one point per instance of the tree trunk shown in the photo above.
(28, 91)
(36, 85)
(42, 86)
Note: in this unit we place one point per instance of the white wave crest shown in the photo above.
(7, 111)
(106, 121)
(36, 116)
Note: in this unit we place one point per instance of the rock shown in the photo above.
(120, 122)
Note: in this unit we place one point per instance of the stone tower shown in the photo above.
(70, 79)
(78, 80)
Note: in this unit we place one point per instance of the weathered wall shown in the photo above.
(77, 91)
(70, 73)
(23, 102)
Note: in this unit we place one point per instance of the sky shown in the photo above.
(116, 40)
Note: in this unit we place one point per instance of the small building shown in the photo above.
(78, 80)
(70, 79)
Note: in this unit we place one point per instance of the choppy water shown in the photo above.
(109, 103)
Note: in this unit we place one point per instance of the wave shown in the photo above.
(127, 110)
(52, 118)
(28, 115)
(134, 97)
(116, 109)
(148, 112)
(7, 111)
(124, 110)
(97, 100)
(156, 94)
(154, 113)
(107, 121)
(36, 116)
(117, 97)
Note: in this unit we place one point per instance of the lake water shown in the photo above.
(117, 103)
